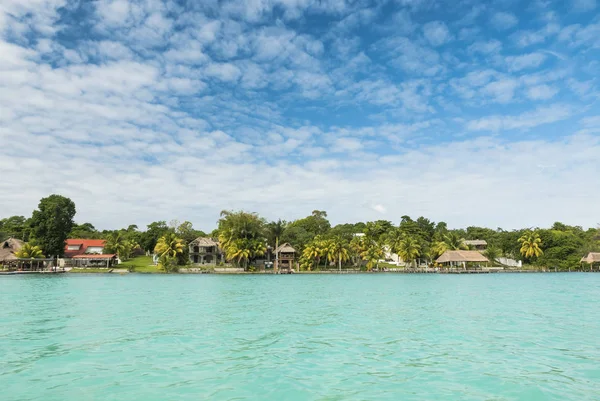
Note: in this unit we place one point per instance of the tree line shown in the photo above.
(245, 237)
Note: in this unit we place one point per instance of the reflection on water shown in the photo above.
(364, 337)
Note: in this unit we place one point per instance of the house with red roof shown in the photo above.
(75, 247)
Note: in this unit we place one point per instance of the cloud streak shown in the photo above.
(147, 110)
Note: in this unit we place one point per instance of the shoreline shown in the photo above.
(126, 272)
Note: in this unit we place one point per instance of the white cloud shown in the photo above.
(501, 90)
(525, 61)
(379, 208)
(488, 47)
(223, 71)
(528, 38)
(436, 33)
(412, 57)
(503, 21)
(160, 94)
(541, 92)
(527, 120)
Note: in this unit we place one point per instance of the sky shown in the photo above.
(470, 112)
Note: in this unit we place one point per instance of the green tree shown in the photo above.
(438, 248)
(150, 237)
(16, 227)
(301, 232)
(357, 247)
(454, 241)
(29, 251)
(338, 250)
(492, 253)
(168, 247)
(531, 244)
(116, 243)
(85, 230)
(275, 230)
(372, 254)
(242, 236)
(52, 222)
(312, 253)
(378, 230)
(409, 249)
(187, 233)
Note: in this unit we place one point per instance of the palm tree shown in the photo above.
(531, 244)
(454, 242)
(338, 249)
(239, 252)
(275, 230)
(438, 248)
(394, 241)
(492, 253)
(29, 251)
(409, 249)
(357, 247)
(325, 247)
(167, 248)
(312, 252)
(372, 254)
(115, 243)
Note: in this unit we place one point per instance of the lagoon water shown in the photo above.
(302, 337)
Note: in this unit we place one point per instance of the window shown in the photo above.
(73, 247)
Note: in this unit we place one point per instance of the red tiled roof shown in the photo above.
(84, 244)
(90, 256)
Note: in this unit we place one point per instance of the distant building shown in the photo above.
(285, 255)
(593, 259)
(75, 247)
(461, 258)
(204, 251)
(476, 244)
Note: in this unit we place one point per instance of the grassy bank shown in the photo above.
(139, 264)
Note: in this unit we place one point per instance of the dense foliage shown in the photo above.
(51, 223)
(245, 237)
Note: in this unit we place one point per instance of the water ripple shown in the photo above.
(376, 337)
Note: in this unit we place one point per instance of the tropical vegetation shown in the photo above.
(246, 237)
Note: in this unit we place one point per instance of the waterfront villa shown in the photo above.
(285, 255)
(204, 250)
(75, 247)
(461, 258)
(592, 258)
(476, 244)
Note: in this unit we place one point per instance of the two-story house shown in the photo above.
(204, 251)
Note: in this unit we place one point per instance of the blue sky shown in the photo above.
(475, 113)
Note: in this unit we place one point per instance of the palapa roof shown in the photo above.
(592, 257)
(461, 256)
(285, 248)
(9, 247)
(475, 242)
(204, 241)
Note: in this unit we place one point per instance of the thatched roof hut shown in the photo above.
(461, 257)
(592, 257)
(285, 248)
(478, 244)
(9, 247)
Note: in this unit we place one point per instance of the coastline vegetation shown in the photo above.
(244, 237)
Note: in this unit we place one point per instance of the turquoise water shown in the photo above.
(317, 337)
